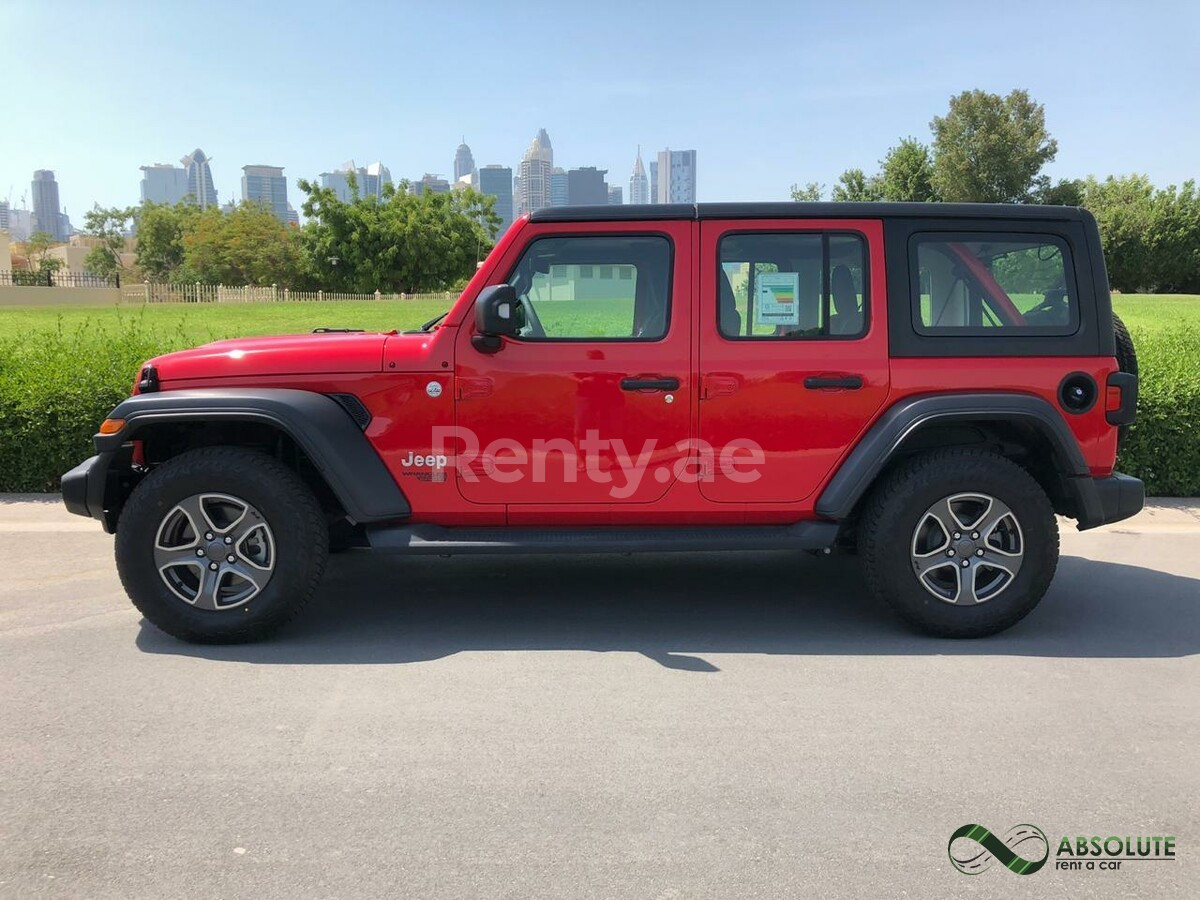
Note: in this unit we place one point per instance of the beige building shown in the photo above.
(5, 252)
(78, 246)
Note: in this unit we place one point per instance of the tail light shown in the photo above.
(1120, 398)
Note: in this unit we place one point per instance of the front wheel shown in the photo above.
(960, 542)
(221, 545)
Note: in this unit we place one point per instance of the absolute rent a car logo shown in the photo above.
(1024, 850)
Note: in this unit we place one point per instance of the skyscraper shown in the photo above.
(534, 173)
(654, 180)
(497, 181)
(377, 175)
(559, 187)
(615, 194)
(266, 186)
(17, 222)
(639, 185)
(339, 182)
(429, 183)
(369, 179)
(586, 186)
(163, 183)
(676, 176)
(464, 162)
(200, 180)
(47, 216)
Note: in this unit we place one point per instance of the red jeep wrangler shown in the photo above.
(926, 385)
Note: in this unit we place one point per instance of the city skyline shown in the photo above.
(167, 183)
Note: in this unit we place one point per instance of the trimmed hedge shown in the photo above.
(56, 387)
(1163, 445)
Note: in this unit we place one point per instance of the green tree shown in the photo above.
(34, 256)
(1124, 210)
(989, 148)
(907, 173)
(809, 193)
(247, 245)
(160, 231)
(1064, 192)
(1151, 236)
(398, 242)
(37, 253)
(1175, 240)
(854, 186)
(108, 226)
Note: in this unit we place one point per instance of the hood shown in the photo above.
(293, 354)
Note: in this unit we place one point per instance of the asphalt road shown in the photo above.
(718, 725)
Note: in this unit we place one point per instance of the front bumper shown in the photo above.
(85, 489)
(75, 487)
(1110, 499)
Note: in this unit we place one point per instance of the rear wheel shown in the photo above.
(959, 542)
(221, 545)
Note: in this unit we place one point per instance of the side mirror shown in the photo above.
(498, 312)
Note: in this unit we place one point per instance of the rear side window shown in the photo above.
(792, 285)
(992, 284)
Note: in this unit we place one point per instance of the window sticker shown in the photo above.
(775, 301)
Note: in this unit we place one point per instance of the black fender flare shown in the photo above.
(883, 440)
(319, 425)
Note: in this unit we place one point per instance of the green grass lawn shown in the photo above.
(199, 323)
(1157, 312)
(188, 324)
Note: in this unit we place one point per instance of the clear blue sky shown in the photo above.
(767, 93)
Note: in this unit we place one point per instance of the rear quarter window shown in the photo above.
(993, 284)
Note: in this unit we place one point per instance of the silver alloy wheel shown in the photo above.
(214, 551)
(967, 548)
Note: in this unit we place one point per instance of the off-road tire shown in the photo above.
(1126, 353)
(301, 543)
(898, 504)
(1126, 362)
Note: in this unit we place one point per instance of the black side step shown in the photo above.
(616, 539)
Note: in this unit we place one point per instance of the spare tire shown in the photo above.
(1126, 362)
(1126, 354)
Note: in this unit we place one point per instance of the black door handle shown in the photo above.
(649, 384)
(847, 382)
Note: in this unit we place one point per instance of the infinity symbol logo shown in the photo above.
(984, 848)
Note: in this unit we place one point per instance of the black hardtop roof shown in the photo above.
(659, 211)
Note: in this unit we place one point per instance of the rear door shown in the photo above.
(793, 350)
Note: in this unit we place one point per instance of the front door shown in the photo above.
(793, 347)
(591, 403)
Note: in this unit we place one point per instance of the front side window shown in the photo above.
(792, 285)
(568, 290)
(984, 284)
